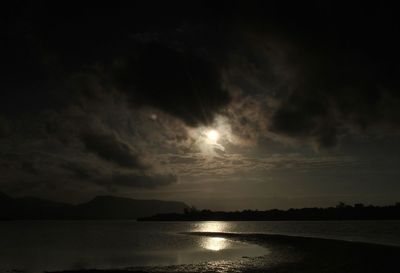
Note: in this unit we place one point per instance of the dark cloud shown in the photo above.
(168, 70)
(331, 68)
(79, 85)
(139, 180)
(307, 118)
(174, 159)
(110, 148)
(30, 168)
(78, 171)
(338, 95)
(180, 83)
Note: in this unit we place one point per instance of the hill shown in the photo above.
(110, 207)
(99, 208)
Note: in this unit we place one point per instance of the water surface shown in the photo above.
(36, 246)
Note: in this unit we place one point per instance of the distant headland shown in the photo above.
(119, 208)
(99, 208)
(340, 212)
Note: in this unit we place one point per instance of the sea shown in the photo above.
(39, 246)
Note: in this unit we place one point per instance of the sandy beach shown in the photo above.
(290, 254)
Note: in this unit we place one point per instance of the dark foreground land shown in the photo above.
(292, 254)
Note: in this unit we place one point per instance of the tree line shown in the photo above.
(341, 211)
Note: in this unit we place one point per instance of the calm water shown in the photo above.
(60, 245)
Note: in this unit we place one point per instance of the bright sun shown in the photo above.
(212, 135)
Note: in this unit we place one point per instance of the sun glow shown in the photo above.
(215, 243)
(213, 226)
(212, 135)
(211, 139)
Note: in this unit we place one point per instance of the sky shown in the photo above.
(225, 105)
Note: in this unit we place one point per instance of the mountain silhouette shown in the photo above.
(111, 207)
(101, 207)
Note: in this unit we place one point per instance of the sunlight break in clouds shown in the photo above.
(211, 140)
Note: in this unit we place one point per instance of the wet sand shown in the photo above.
(290, 255)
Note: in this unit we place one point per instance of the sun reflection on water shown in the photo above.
(213, 226)
(215, 243)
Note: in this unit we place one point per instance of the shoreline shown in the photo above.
(288, 254)
(281, 238)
